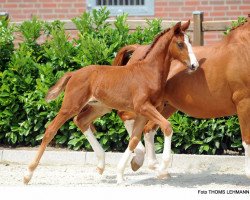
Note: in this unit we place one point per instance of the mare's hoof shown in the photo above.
(163, 175)
(120, 181)
(100, 170)
(153, 166)
(248, 174)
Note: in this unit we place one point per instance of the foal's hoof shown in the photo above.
(100, 170)
(134, 165)
(26, 180)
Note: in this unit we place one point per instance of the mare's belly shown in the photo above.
(204, 108)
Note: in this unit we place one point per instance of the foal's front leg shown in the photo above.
(149, 111)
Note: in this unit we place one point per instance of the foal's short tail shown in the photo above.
(55, 90)
(123, 55)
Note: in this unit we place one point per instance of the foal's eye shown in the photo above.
(180, 45)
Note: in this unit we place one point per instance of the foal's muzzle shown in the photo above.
(193, 66)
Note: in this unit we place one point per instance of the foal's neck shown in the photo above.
(159, 59)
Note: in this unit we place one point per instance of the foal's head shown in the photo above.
(180, 47)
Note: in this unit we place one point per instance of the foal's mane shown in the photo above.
(154, 42)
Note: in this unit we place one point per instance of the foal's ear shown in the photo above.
(177, 28)
(185, 26)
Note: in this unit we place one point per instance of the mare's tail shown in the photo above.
(124, 54)
(60, 85)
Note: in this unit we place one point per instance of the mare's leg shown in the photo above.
(243, 111)
(139, 123)
(128, 119)
(149, 133)
(71, 106)
(83, 120)
(139, 151)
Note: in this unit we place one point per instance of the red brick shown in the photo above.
(220, 8)
(30, 11)
(161, 15)
(18, 16)
(216, 2)
(217, 14)
(177, 14)
(233, 13)
(234, 7)
(159, 9)
(45, 10)
(233, 2)
(204, 2)
(189, 9)
(10, 5)
(245, 13)
(49, 5)
(81, 10)
(25, 5)
(78, 5)
(176, 3)
(205, 9)
(172, 9)
(192, 3)
(28, 1)
(65, 5)
(62, 10)
(245, 7)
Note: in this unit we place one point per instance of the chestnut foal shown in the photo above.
(220, 87)
(136, 88)
(121, 59)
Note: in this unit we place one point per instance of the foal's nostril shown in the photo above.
(193, 67)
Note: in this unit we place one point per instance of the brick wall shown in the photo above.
(166, 9)
(213, 9)
(20, 10)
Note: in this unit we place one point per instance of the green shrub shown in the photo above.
(6, 43)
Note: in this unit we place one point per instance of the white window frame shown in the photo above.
(133, 10)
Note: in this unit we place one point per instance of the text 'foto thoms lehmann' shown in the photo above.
(224, 192)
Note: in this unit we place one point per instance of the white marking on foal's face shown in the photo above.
(193, 60)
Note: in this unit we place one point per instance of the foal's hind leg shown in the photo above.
(83, 120)
(243, 111)
(71, 106)
(59, 120)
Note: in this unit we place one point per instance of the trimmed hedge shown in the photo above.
(27, 72)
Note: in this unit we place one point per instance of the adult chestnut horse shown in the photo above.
(220, 87)
(136, 88)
